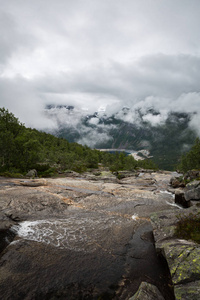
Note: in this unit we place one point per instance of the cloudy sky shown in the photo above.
(115, 53)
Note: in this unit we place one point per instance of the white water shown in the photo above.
(168, 193)
(75, 234)
(174, 204)
(172, 196)
(59, 233)
(134, 217)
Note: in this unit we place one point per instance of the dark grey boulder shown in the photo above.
(183, 258)
(181, 199)
(147, 291)
(32, 173)
(193, 191)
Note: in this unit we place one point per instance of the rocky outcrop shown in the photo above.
(177, 181)
(184, 263)
(19, 203)
(99, 257)
(84, 259)
(186, 194)
(192, 191)
(184, 260)
(85, 239)
(181, 255)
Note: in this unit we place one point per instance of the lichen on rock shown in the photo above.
(183, 259)
(189, 291)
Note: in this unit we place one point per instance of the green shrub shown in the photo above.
(11, 174)
(191, 160)
(188, 227)
(49, 173)
(41, 167)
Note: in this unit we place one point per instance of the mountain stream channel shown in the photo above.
(86, 237)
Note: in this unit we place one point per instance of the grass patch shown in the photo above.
(188, 227)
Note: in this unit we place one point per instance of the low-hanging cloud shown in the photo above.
(99, 53)
(93, 137)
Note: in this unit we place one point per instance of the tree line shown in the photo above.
(22, 149)
(191, 159)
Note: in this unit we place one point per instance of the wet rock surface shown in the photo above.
(80, 238)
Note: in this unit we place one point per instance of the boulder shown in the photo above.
(34, 182)
(192, 185)
(181, 200)
(192, 174)
(188, 291)
(177, 182)
(147, 291)
(183, 258)
(32, 173)
(192, 191)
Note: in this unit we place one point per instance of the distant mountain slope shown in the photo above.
(167, 136)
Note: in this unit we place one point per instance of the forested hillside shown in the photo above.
(191, 160)
(22, 149)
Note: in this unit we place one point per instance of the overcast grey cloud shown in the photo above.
(136, 53)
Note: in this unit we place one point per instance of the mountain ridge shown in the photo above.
(165, 135)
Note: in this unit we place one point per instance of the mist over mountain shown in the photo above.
(166, 134)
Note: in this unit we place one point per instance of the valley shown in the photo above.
(165, 137)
